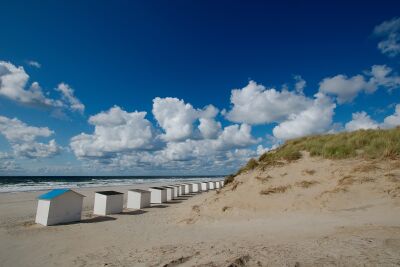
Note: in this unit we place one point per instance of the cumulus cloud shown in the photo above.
(389, 31)
(175, 117)
(392, 120)
(13, 85)
(316, 119)
(347, 88)
(178, 119)
(115, 131)
(255, 104)
(128, 140)
(235, 136)
(22, 139)
(361, 120)
(300, 83)
(209, 127)
(34, 63)
(68, 95)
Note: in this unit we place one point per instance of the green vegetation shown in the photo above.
(229, 179)
(369, 144)
(251, 165)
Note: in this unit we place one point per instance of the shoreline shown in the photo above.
(143, 182)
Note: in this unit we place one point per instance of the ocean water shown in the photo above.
(36, 183)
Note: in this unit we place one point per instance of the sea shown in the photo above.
(38, 183)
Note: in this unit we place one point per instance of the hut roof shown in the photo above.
(56, 193)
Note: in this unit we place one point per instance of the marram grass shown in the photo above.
(369, 144)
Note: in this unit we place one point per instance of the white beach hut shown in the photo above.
(108, 202)
(204, 186)
(174, 191)
(59, 206)
(177, 191)
(158, 195)
(222, 183)
(195, 187)
(211, 185)
(170, 192)
(217, 185)
(138, 199)
(188, 188)
(181, 189)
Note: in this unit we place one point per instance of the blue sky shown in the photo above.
(89, 57)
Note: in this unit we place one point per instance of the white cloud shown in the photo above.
(316, 119)
(361, 120)
(36, 149)
(235, 136)
(14, 80)
(34, 63)
(346, 88)
(68, 95)
(115, 131)
(209, 127)
(125, 140)
(14, 86)
(300, 83)
(15, 130)
(392, 120)
(175, 117)
(389, 31)
(255, 104)
(22, 138)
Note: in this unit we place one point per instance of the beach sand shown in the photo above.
(236, 226)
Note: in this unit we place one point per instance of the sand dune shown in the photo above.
(309, 212)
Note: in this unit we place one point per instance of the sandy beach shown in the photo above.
(234, 226)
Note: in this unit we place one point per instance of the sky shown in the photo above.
(187, 87)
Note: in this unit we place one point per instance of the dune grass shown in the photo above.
(275, 190)
(369, 144)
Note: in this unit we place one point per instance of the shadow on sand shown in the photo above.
(132, 212)
(159, 206)
(96, 219)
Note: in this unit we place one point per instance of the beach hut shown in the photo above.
(138, 199)
(158, 195)
(211, 185)
(108, 202)
(59, 206)
(217, 185)
(176, 191)
(222, 183)
(181, 189)
(204, 186)
(188, 189)
(170, 192)
(195, 187)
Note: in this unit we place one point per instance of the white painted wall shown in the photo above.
(138, 200)
(62, 209)
(211, 185)
(195, 187)
(169, 193)
(158, 195)
(176, 191)
(204, 186)
(108, 204)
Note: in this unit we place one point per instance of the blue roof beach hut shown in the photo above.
(59, 206)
